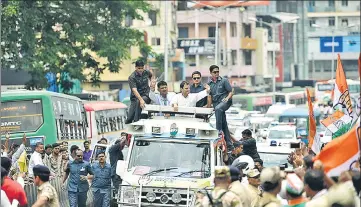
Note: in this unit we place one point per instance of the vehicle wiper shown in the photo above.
(192, 171)
(160, 170)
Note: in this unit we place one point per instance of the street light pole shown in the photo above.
(333, 55)
(274, 60)
(166, 33)
(216, 49)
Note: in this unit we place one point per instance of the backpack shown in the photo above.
(216, 202)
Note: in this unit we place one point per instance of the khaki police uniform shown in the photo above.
(47, 190)
(254, 191)
(242, 192)
(226, 197)
(270, 176)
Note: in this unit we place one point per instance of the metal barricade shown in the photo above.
(31, 193)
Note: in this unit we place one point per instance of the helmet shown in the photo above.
(244, 163)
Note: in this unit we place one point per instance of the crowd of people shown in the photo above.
(75, 170)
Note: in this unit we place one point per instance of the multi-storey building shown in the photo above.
(334, 28)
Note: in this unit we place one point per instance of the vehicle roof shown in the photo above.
(103, 105)
(266, 148)
(283, 127)
(299, 111)
(27, 93)
(278, 108)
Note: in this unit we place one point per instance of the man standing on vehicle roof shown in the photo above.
(188, 100)
(197, 87)
(139, 85)
(221, 97)
(163, 98)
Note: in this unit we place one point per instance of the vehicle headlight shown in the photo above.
(129, 194)
(176, 198)
(164, 198)
(151, 197)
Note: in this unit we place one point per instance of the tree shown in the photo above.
(57, 36)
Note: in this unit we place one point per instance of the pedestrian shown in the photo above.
(73, 150)
(87, 151)
(221, 98)
(55, 161)
(139, 96)
(115, 154)
(314, 184)
(36, 157)
(163, 98)
(221, 196)
(271, 185)
(18, 155)
(249, 144)
(13, 190)
(294, 191)
(185, 99)
(47, 195)
(77, 185)
(64, 160)
(101, 184)
(48, 149)
(197, 87)
(4, 198)
(238, 188)
(258, 163)
(253, 186)
(65, 145)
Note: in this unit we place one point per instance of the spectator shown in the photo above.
(101, 185)
(48, 149)
(271, 185)
(64, 160)
(221, 97)
(47, 195)
(103, 140)
(18, 153)
(78, 185)
(238, 188)
(253, 186)
(139, 85)
(87, 151)
(314, 184)
(294, 190)
(308, 162)
(197, 87)
(249, 144)
(258, 163)
(163, 98)
(185, 99)
(13, 190)
(65, 145)
(115, 154)
(73, 150)
(36, 157)
(4, 198)
(55, 160)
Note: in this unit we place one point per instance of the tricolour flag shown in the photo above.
(341, 95)
(335, 121)
(339, 154)
(312, 142)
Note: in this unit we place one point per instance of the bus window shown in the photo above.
(280, 99)
(325, 87)
(21, 116)
(354, 88)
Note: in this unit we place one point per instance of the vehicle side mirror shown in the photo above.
(121, 166)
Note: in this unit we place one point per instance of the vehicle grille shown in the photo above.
(159, 192)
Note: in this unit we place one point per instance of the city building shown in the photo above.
(334, 28)
(237, 44)
(153, 27)
(292, 59)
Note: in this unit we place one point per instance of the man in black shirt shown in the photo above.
(139, 85)
(197, 87)
(249, 144)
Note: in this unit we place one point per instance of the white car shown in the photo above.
(282, 135)
(325, 137)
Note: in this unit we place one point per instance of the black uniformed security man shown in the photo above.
(139, 85)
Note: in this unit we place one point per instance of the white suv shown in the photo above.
(282, 135)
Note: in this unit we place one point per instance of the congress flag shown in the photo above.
(312, 143)
(335, 121)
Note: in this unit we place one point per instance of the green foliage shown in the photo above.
(55, 36)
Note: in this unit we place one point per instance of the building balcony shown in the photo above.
(209, 16)
(233, 70)
(321, 9)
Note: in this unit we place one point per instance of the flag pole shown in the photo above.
(359, 127)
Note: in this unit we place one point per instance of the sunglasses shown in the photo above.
(215, 72)
(196, 78)
(79, 155)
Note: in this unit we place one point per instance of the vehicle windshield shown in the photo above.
(152, 155)
(325, 87)
(272, 159)
(354, 88)
(284, 134)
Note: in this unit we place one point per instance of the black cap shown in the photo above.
(234, 173)
(41, 170)
(3, 172)
(139, 63)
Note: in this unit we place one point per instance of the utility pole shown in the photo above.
(166, 33)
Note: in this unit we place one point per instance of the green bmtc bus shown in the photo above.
(44, 116)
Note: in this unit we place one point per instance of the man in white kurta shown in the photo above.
(186, 99)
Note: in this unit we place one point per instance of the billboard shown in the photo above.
(326, 44)
(351, 44)
(197, 46)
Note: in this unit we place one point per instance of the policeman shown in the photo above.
(271, 179)
(221, 196)
(238, 188)
(47, 195)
